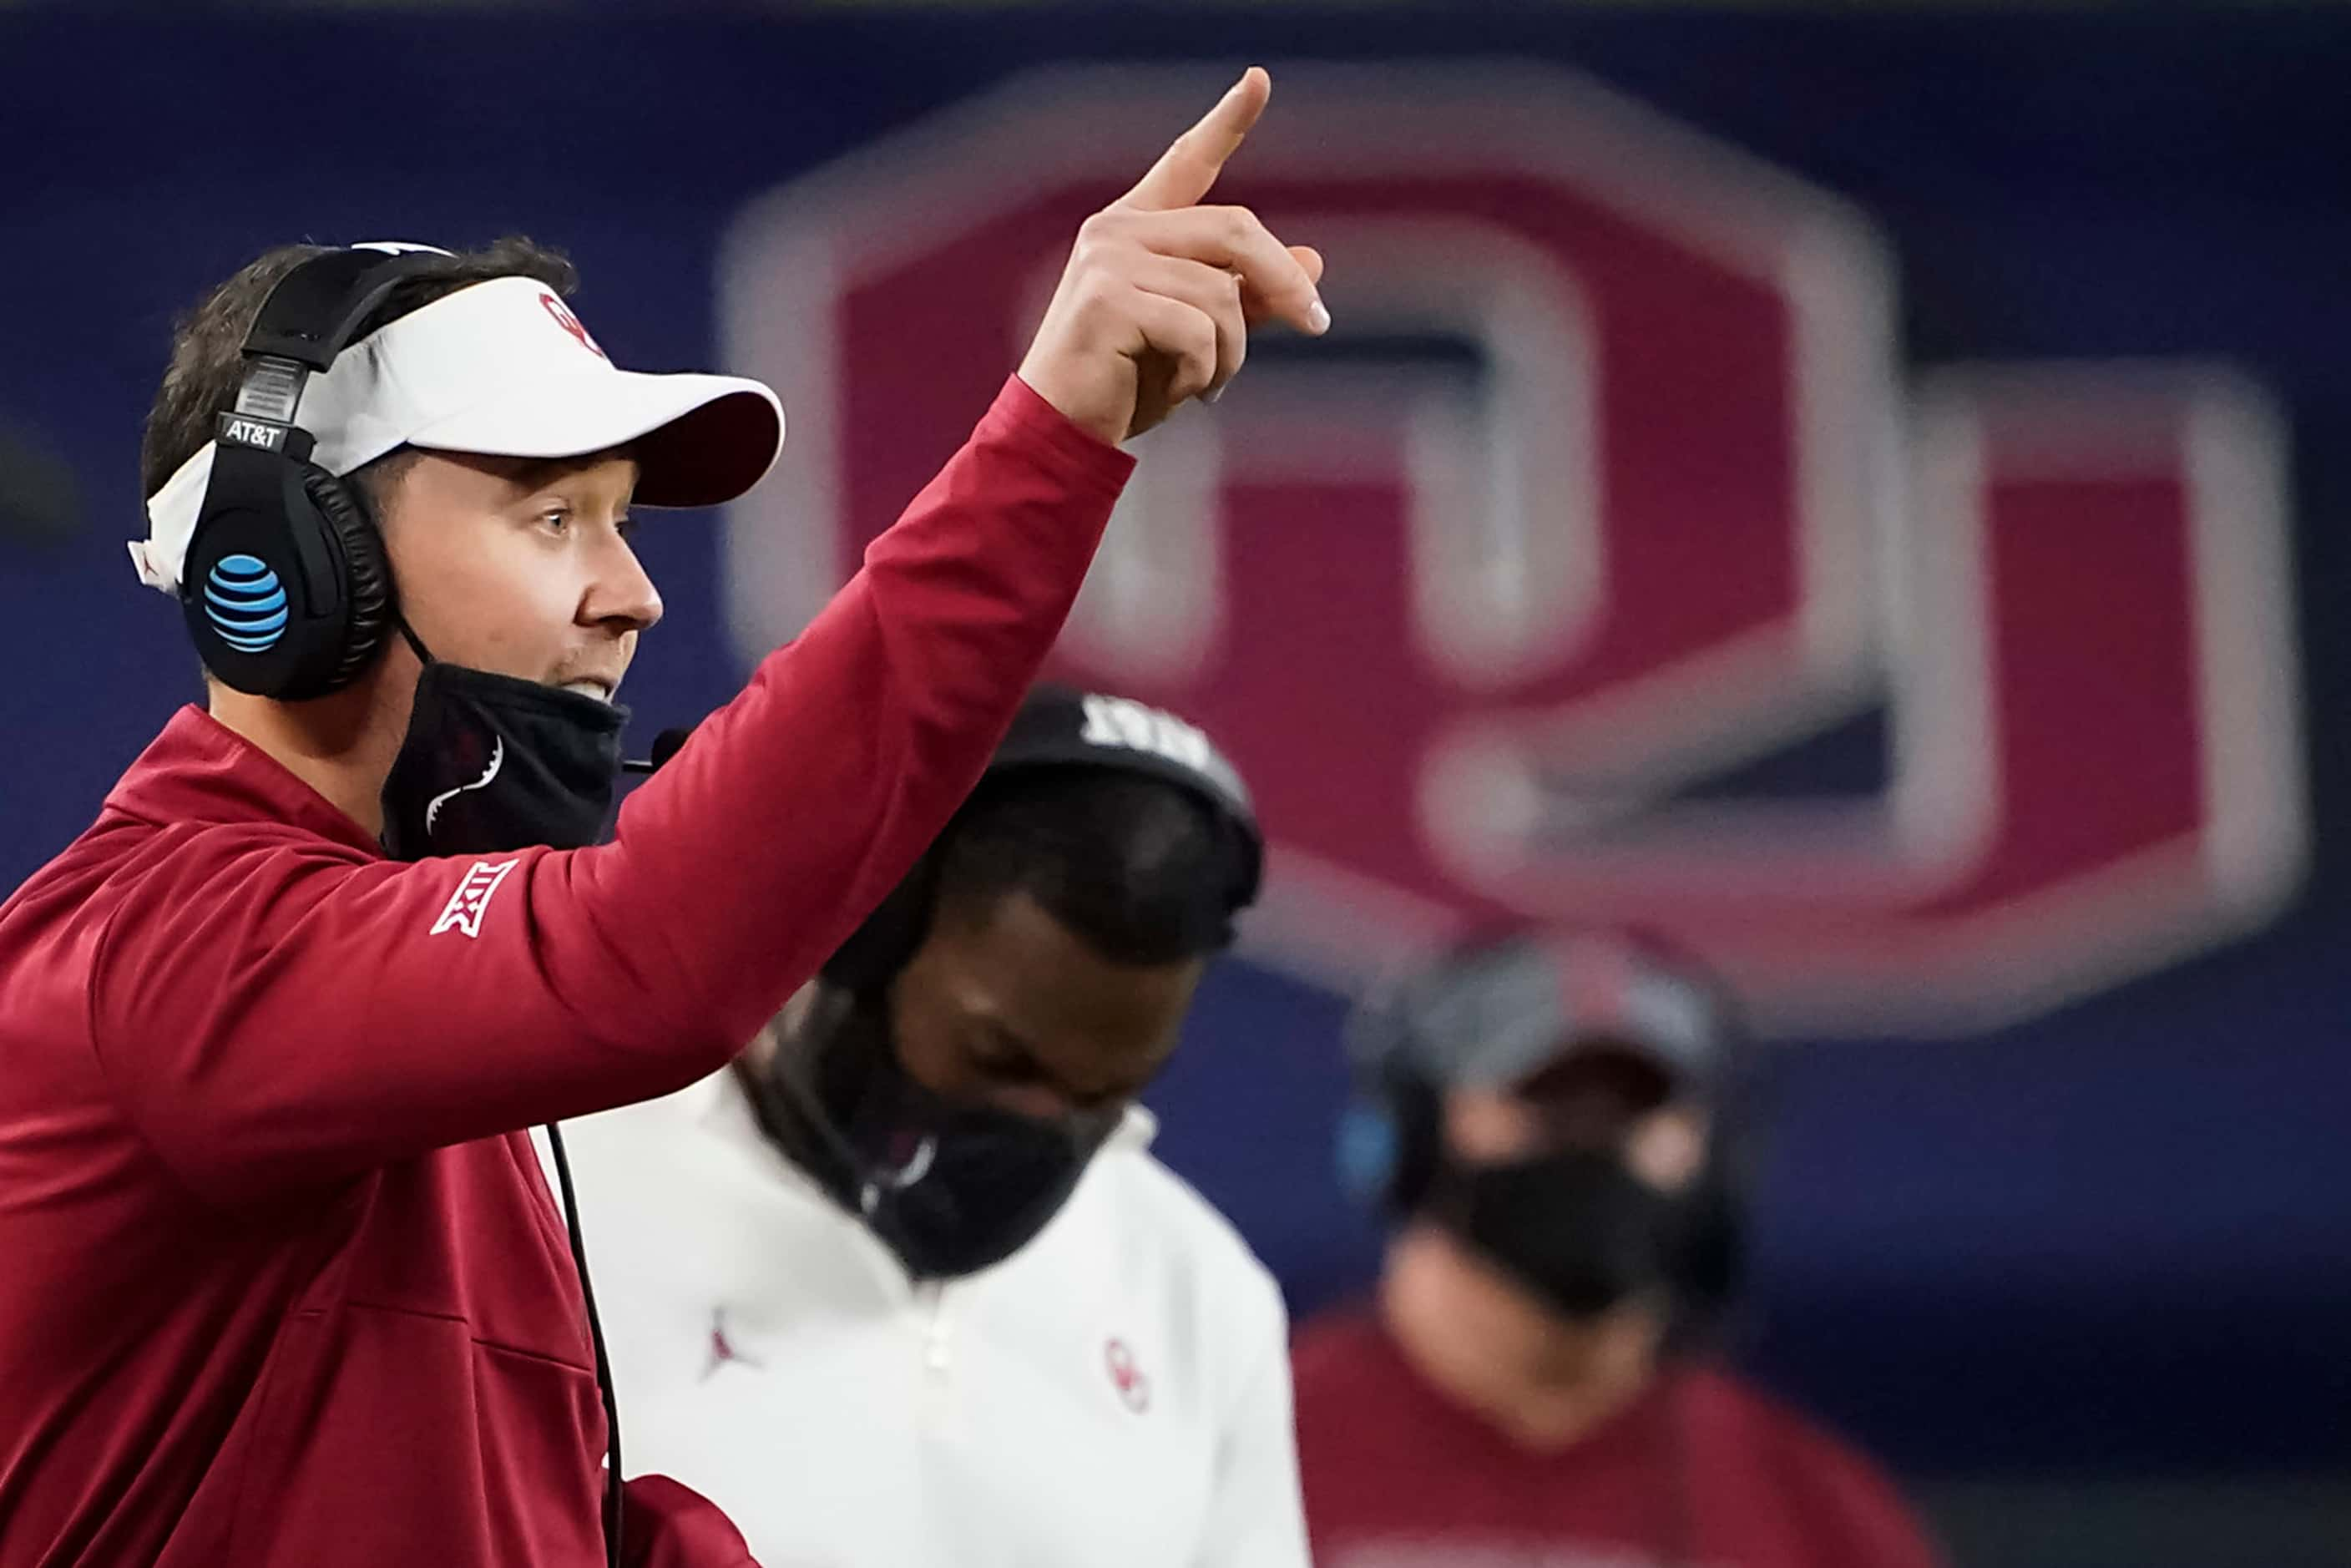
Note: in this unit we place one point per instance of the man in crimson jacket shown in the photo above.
(1547, 1119)
(280, 1282)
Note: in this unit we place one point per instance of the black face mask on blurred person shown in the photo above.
(1575, 1226)
(493, 763)
(950, 1188)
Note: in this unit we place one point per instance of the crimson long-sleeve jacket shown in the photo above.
(280, 1281)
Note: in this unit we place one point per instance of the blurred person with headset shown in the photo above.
(280, 1282)
(904, 1289)
(1552, 1126)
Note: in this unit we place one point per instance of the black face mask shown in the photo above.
(493, 763)
(951, 1187)
(1573, 1226)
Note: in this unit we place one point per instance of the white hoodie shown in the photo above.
(1116, 1394)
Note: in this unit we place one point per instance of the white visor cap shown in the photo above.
(503, 369)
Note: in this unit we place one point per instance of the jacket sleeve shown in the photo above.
(270, 1006)
(666, 1525)
(1257, 1518)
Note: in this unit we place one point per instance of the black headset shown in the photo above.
(1407, 1041)
(286, 589)
(1060, 728)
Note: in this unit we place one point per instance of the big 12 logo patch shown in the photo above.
(1606, 484)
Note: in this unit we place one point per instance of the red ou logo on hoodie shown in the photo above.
(1125, 1376)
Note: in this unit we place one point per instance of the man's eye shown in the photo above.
(557, 518)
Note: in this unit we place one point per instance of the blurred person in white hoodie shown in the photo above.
(904, 1287)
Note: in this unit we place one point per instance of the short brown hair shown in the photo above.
(208, 348)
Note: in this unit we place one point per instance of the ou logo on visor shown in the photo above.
(1606, 488)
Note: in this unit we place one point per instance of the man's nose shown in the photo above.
(622, 596)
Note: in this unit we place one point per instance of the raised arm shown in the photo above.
(272, 1007)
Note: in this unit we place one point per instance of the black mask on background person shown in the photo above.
(951, 1187)
(1573, 1226)
(493, 763)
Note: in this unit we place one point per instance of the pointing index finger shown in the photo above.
(1190, 165)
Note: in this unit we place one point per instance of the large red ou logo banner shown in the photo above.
(1607, 481)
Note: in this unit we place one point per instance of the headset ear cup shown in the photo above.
(1710, 1258)
(357, 544)
(1418, 1108)
(1712, 1251)
(1365, 1150)
(287, 592)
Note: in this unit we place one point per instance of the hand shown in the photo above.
(1160, 292)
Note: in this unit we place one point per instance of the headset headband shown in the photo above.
(1059, 727)
(308, 319)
